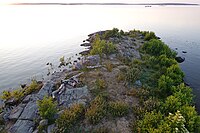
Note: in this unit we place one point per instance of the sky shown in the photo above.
(99, 1)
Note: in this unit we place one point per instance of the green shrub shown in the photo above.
(132, 74)
(20, 93)
(62, 60)
(33, 87)
(69, 118)
(47, 108)
(149, 35)
(191, 117)
(171, 105)
(165, 84)
(6, 95)
(100, 84)
(112, 33)
(120, 76)
(118, 109)
(96, 111)
(109, 66)
(156, 48)
(150, 122)
(102, 47)
(175, 73)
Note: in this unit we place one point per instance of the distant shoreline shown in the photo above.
(136, 4)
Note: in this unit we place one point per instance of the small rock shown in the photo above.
(43, 122)
(184, 52)
(23, 85)
(50, 128)
(86, 52)
(86, 44)
(180, 59)
(138, 83)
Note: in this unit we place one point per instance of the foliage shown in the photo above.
(47, 108)
(184, 93)
(20, 93)
(150, 121)
(176, 122)
(149, 35)
(69, 117)
(102, 47)
(162, 61)
(118, 108)
(33, 87)
(175, 73)
(156, 48)
(132, 74)
(97, 110)
(100, 84)
(113, 33)
(190, 116)
(109, 66)
(165, 84)
(62, 60)
(120, 76)
(171, 105)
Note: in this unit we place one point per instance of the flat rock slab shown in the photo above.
(16, 112)
(22, 126)
(30, 111)
(75, 95)
(46, 90)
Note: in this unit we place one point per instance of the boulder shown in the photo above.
(50, 128)
(30, 111)
(184, 51)
(22, 126)
(92, 60)
(180, 59)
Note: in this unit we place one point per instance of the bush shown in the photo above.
(171, 105)
(156, 48)
(69, 117)
(132, 74)
(100, 84)
(112, 33)
(149, 35)
(33, 87)
(118, 109)
(96, 111)
(102, 47)
(109, 66)
(175, 73)
(47, 108)
(20, 93)
(183, 93)
(150, 122)
(165, 84)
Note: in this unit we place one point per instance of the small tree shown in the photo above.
(47, 108)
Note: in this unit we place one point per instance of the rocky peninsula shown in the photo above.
(123, 82)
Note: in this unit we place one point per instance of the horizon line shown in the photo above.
(147, 4)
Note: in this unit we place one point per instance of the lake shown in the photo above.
(31, 36)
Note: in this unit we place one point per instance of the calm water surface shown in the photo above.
(31, 36)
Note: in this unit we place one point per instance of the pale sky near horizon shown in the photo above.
(99, 1)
